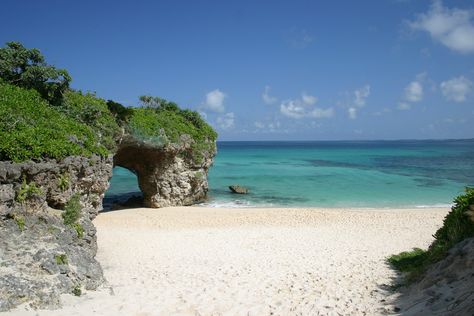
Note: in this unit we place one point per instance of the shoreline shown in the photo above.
(252, 261)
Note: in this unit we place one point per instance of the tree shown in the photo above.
(121, 113)
(27, 68)
(158, 103)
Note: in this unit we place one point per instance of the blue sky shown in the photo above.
(270, 70)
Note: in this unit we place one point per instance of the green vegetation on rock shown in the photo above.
(457, 226)
(27, 191)
(20, 222)
(92, 111)
(30, 129)
(72, 210)
(41, 117)
(79, 229)
(60, 259)
(64, 181)
(161, 122)
(76, 291)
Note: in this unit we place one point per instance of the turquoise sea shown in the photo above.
(333, 173)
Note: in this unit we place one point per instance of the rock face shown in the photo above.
(41, 256)
(238, 189)
(447, 288)
(167, 175)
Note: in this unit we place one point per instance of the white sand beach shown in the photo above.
(221, 261)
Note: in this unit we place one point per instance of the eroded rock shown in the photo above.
(167, 175)
(238, 189)
(41, 257)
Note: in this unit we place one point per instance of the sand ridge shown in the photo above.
(216, 261)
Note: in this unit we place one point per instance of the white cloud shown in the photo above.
(308, 99)
(226, 121)
(259, 124)
(352, 111)
(298, 109)
(299, 38)
(293, 109)
(322, 113)
(457, 89)
(360, 95)
(454, 28)
(414, 91)
(266, 97)
(404, 106)
(215, 101)
(273, 126)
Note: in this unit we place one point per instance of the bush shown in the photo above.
(79, 229)
(64, 181)
(92, 111)
(20, 222)
(27, 191)
(72, 210)
(32, 129)
(457, 226)
(165, 123)
(121, 113)
(61, 259)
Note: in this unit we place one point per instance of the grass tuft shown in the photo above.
(457, 226)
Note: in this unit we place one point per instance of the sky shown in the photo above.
(270, 69)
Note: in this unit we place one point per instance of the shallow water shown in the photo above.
(333, 174)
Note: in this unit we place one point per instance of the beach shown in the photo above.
(249, 261)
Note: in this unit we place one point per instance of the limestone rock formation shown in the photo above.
(167, 175)
(238, 189)
(41, 256)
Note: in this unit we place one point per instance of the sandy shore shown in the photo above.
(208, 261)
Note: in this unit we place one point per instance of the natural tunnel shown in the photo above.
(166, 176)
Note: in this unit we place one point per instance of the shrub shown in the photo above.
(61, 258)
(79, 229)
(165, 124)
(72, 210)
(64, 181)
(32, 129)
(121, 113)
(76, 291)
(457, 226)
(92, 111)
(27, 191)
(20, 222)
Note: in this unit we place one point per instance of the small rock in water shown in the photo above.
(238, 189)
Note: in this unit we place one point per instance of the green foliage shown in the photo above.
(72, 210)
(89, 109)
(121, 113)
(32, 129)
(20, 222)
(79, 229)
(64, 181)
(76, 291)
(27, 68)
(457, 226)
(161, 122)
(27, 191)
(158, 103)
(61, 258)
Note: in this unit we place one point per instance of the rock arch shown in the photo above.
(167, 176)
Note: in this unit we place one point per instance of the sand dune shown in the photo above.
(208, 261)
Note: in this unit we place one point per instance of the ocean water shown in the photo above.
(333, 174)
